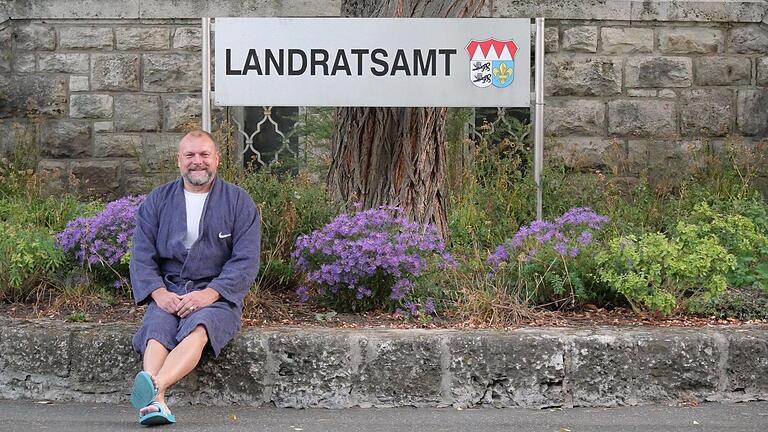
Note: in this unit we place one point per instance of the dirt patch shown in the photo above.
(283, 310)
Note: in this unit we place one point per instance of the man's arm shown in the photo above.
(241, 269)
(145, 273)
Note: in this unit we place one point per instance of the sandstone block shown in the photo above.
(602, 370)
(34, 348)
(24, 62)
(588, 152)
(670, 158)
(626, 40)
(227, 378)
(117, 145)
(652, 71)
(92, 371)
(33, 94)
(81, 38)
(142, 38)
(66, 139)
(187, 39)
(751, 39)
(691, 41)
(762, 71)
(90, 106)
(78, 83)
(723, 71)
(747, 361)
(678, 366)
(515, 370)
(642, 93)
(56, 174)
(103, 126)
(383, 378)
(137, 113)
(118, 72)
(98, 178)
(313, 371)
(752, 111)
(667, 93)
(181, 111)
(5, 49)
(171, 72)
(577, 117)
(35, 37)
(581, 38)
(706, 112)
(551, 40)
(593, 76)
(158, 153)
(63, 62)
(16, 132)
(641, 117)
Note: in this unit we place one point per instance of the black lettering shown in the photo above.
(376, 60)
(272, 61)
(229, 64)
(322, 61)
(359, 53)
(291, 69)
(252, 62)
(422, 68)
(400, 64)
(341, 58)
(447, 53)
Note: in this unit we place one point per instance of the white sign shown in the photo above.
(372, 62)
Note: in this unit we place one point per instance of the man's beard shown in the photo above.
(200, 179)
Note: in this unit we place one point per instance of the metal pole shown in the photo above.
(206, 36)
(538, 157)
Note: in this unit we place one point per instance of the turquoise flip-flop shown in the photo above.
(144, 391)
(156, 418)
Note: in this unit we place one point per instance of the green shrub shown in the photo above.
(290, 207)
(29, 259)
(655, 273)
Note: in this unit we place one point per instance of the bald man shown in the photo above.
(195, 256)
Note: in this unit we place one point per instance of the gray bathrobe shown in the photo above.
(225, 257)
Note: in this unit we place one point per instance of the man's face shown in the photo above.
(198, 160)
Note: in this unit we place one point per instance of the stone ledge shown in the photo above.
(339, 368)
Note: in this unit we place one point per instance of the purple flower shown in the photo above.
(585, 238)
(429, 306)
(412, 308)
(379, 249)
(565, 236)
(105, 238)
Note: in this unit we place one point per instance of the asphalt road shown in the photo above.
(28, 416)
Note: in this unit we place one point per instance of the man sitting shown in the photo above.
(195, 256)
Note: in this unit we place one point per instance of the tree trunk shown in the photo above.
(394, 156)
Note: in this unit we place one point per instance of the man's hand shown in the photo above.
(166, 300)
(196, 300)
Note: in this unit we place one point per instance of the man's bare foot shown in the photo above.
(152, 408)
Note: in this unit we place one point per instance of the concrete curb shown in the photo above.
(337, 368)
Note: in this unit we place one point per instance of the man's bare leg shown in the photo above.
(178, 363)
(154, 357)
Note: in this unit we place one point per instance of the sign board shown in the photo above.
(372, 62)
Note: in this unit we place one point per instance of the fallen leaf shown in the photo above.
(232, 417)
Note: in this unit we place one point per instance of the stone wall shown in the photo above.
(110, 88)
(338, 368)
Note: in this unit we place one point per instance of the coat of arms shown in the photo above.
(492, 62)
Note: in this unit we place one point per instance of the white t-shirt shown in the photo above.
(195, 203)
